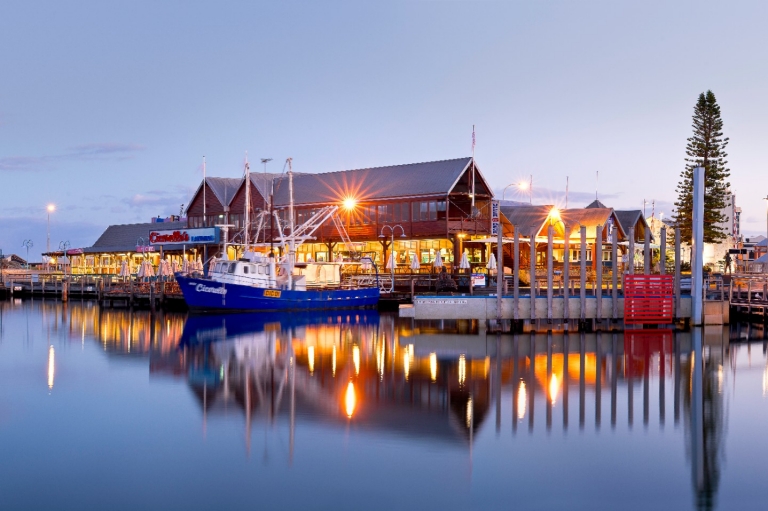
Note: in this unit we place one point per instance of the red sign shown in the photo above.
(75, 251)
(144, 248)
(173, 237)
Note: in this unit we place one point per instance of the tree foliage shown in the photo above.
(706, 148)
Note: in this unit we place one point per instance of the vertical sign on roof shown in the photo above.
(494, 217)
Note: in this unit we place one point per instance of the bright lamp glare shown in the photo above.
(523, 185)
(554, 214)
(349, 203)
(51, 208)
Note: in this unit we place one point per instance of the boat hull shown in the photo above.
(208, 295)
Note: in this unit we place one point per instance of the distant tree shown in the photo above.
(706, 148)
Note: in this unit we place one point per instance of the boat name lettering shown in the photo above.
(272, 293)
(202, 288)
(442, 302)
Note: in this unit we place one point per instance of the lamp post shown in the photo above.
(766, 224)
(50, 208)
(522, 185)
(391, 247)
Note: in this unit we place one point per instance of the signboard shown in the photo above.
(75, 251)
(144, 248)
(495, 213)
(478, 279)
(202, 236)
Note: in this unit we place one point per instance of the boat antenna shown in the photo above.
(269, 206)
(204, 222)
(292, 244)
(472, 210)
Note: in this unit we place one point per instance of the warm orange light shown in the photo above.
(406, 364)
(554, 388)
(462, 369)
(523, 185)
(333, 361)
(51, 208)
(51, 366)
(311, 358)
(433, 366)
(554, 214)
(522, 401)
(350, 399)
(356, 358)
(350, 203)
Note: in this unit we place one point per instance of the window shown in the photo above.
(245, 270)
(441, 214)
(232, 267)
(386, 213)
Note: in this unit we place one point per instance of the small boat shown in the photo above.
(259, 282)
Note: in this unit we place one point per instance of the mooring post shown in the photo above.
(663, 251)
(516, 276)
(599, 276)
(533, 273)
(631, 252)
(566, 273)
(615, 273)
(583, 271)
(677, 272)
(550, 235)
(647, 253)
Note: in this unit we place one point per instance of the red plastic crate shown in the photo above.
(648, 299)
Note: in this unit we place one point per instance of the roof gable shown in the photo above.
(224, 188)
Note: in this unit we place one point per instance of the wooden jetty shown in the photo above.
(572, 296)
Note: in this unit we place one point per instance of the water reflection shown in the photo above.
(432, 382)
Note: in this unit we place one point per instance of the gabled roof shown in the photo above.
(525, 217)
(590, 218)
(597, 204)
(263, 182)
(630, 218)
(415, 179)
(123, 238)
(224, 188)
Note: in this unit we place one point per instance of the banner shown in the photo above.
(202, 236)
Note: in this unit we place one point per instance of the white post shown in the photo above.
(697, 247)
(247, 219)
(499, 273)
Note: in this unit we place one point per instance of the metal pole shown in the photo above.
(697, 247)
(516, 276)
(533, 272)
(566, 271)
(550, 235)
(647, 253)
(663, 251)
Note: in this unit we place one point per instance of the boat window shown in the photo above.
(232, 267)
(245, 269)
(220, 267)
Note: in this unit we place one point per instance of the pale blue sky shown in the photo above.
(106, 108)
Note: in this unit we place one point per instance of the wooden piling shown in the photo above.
(599, 275)
(550, 235)
(677, 272)
(533, 273)
(647, 253)
(663, 251)
(615, 273)
(631, 254)
(566, 271)
(583, 276)
(516, 275)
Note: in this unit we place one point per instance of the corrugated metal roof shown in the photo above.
(629, 218)
(123, 238)
(415, 179)
(224, 188)
(263, 182)
(590, 218)
(525, 217)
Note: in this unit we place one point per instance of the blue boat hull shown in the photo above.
(208, 295)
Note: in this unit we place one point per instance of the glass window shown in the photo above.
(433, 210)
(441, 210)
(232, 267)
(245, 270)
(424, 211)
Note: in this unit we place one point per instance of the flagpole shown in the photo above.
(247, 220)
(472, 212)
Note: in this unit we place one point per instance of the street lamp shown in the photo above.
(392, 247)
(766, 224)
(50, 208)
(527, 186)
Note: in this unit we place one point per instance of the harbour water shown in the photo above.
(113, 409)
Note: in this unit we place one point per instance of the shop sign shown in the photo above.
(478, 279)
(144, 248)
(495, 218)
(201, 236)
(75, 251)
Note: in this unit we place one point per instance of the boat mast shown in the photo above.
(247, 204)
(292, 241)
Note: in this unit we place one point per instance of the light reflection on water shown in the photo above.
(457, 418)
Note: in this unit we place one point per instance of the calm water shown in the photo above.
(117, 410)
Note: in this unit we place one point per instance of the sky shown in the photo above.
(107, 108)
